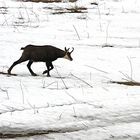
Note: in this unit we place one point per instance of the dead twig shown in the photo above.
(82, 80)
(61, 79)
(76, 32)
(22, 92)
(74, 112)
(131, 72)
(129, 78)
(99, 17)
(55, 82)
(33, 107)
(97, 69)
(71, 96)
(6, 91)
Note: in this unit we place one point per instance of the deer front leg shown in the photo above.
(49, 67)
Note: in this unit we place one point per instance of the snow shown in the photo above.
(77, 101)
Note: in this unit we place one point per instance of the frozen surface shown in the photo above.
(77, 102)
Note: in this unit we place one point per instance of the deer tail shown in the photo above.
(22, 48)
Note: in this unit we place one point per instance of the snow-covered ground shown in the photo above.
(77, 102)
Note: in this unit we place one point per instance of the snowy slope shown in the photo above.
(77, 101)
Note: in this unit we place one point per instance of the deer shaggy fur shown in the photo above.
(46, 53)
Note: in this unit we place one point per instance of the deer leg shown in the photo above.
(49, 67)
(29, 67)
(15, 63)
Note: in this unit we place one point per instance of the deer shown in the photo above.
(44, 53)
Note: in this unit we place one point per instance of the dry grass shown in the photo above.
(74, 9)
(48, 1)
(127, 83)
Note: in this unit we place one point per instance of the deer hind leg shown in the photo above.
(49, 67)
(29, 67)
(22, 59)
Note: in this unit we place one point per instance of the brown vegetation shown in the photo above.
(48, 1)
(128, 83)
(75, 9)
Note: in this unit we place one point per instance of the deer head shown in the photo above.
(68, 54)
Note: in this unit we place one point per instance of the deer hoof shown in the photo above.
(34, 74)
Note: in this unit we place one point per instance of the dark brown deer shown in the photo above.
(46, 53)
